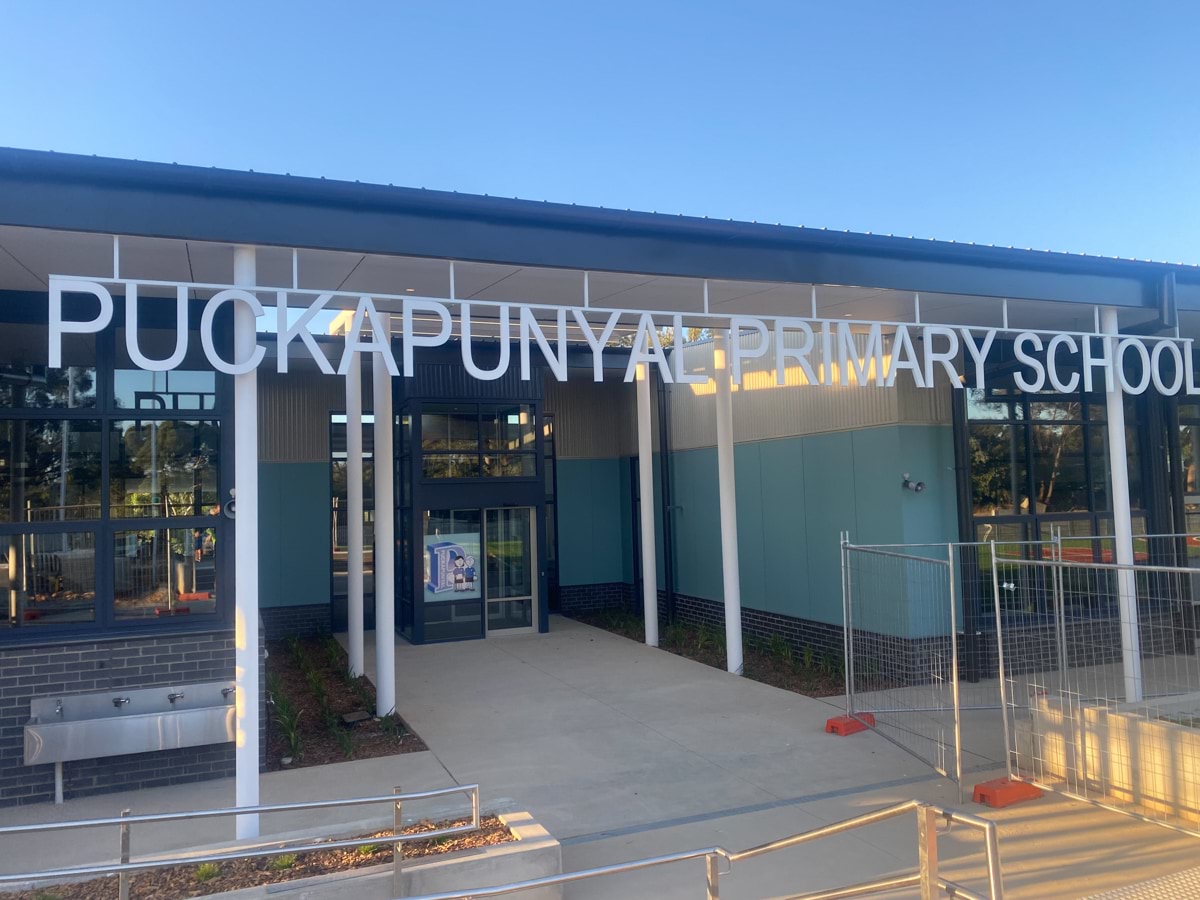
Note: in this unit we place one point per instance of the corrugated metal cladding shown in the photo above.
(592, 421)
(763, 410)
(294, 410)
(449, 380)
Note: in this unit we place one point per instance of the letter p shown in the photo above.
(58, 327)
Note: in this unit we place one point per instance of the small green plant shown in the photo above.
(316, 684)
(47, 895)
(393, 726)
(296, 650)
(344, 739)
(367, 849)
(810, 658)
(781, 649)
(287, 717)
(335, 657)
(282, 863)
(677, 634)
(207, 872)
(363, 693)
(706, 639)
(831, 664)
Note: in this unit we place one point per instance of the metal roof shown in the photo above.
(96, 194)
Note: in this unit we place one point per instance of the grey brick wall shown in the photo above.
(302, 621)
(60, 669)
(801, 633)
(588, 598)
(757, 623)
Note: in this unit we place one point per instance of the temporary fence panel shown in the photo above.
(921, 664)
(1101, 683)
(901, 635)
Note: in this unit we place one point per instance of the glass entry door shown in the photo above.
(510, 583)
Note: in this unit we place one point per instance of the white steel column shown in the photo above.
(646, 505)
(1118, 465)
(385, 543)
(245, 552)
(354, 516)
(731, 574)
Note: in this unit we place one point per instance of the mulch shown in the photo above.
(320, 744)
(815, 677)
(192, 881)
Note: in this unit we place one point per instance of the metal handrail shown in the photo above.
(124, 867)
(926, 877)
(710, 854)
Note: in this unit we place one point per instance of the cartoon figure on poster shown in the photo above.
(450, 571)
(464, 573)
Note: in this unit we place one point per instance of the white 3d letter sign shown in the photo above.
(819, 352)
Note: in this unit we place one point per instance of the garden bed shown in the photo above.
(774, 662)
(213, 878)
(319, 714)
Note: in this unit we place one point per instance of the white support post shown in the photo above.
(245, 553)
(731, 574)
(385, 544)
(354, 516)
(1118, 464)
(646, 505)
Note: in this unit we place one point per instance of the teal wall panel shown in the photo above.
(590, 544)
(794, 497)
(747, 467)
(293, 533)
(830, 506)
(930, 516)
(626, 495)
(697, 524)
(784, 529)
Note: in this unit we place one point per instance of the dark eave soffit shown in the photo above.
(113, 196)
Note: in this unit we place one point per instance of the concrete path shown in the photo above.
(624, 751)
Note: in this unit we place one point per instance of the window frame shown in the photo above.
(105, 625)
(481, 409)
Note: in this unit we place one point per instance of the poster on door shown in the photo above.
(452, 567)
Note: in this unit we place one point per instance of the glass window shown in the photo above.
(164, 468)
(508, 428)
(1060, 472)
(510, 465)
(191, 386)
(450, 427)
(985, 404)
(466, 441)
(25, 380)
(49, 579)
(161, 573)
(450, 465)
(452, 583)
(1098, 440)
(998, 470)
(1056, 411)
(49, 470)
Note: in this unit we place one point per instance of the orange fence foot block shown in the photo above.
(1002, 792)
(847, 725)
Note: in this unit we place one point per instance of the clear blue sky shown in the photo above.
(1068, 126)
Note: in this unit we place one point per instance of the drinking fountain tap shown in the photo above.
(225, 692)
(178, 695)
(58, 709)
(118, 702)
